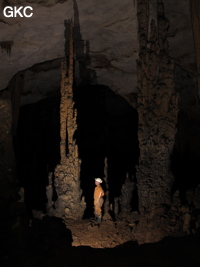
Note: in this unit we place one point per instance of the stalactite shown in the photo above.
(16, 88)
(6, 45)
(67, 174)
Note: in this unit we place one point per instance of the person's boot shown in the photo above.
(98, 219)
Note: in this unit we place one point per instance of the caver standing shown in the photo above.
(98, 200)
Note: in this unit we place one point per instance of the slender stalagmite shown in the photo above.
(195, 18)
(67, 174)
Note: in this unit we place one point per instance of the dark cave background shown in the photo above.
(185, 157)
(107, 127)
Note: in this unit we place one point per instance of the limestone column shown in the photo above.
(157, 110)
(67, 174)
(195, 18)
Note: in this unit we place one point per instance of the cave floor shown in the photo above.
(108, 234)
(111, 233)
(53, 243)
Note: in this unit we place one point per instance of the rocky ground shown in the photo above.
(53, 242)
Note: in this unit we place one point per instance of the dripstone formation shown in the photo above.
(157, 109)
(194, 11)
(67, 183)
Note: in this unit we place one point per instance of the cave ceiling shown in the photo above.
(105, 38)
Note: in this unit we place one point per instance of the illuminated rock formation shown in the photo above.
(67, 182)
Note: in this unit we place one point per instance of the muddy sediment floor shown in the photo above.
(55, 243)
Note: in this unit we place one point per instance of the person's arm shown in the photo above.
(102, 193)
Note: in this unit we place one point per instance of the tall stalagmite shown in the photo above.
(67, 173)
(157, 109)
(195, 17)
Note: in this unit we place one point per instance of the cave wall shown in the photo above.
(7, 158)
(106, 43)
(8, 185)
(102, 32)
(157, 109)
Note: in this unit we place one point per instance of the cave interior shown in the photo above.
(139, 133)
